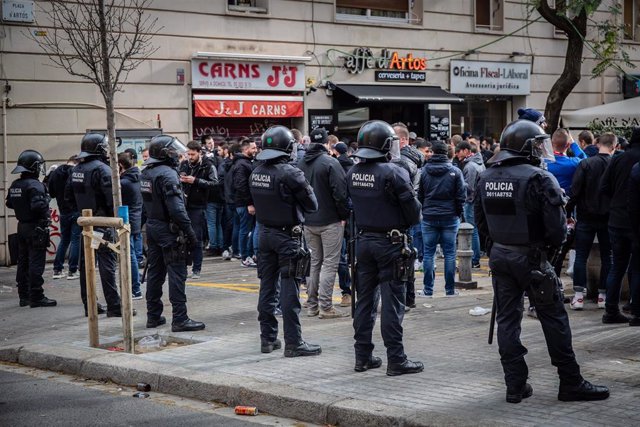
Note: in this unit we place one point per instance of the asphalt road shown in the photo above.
(36, 398)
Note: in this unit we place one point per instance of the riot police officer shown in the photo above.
(170, 236)
(90, 183)
(521, 208)
(29, 199)
(384, 251)
(281, 195)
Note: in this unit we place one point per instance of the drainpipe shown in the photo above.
(5, 164)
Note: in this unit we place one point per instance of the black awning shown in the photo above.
(399, 93)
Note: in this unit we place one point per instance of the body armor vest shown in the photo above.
(274, 201)
(153, 183)
(20, 193)
(82, 181)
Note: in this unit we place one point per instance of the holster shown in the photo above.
(40, 238)
(543, 283)
(300, 265)
(404, 270)
(181, 252)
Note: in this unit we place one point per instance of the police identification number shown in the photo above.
(363, 180)
(261, 180)
(500, 189)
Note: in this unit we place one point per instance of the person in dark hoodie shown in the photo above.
(442, 192)
(340, 150)
(614, 184)
(230, 225)
(324, 228)
(472, 166)
(69, 228)
(239, 173)
(132, 197)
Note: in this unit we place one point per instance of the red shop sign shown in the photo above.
(263, 76)
(248, 106)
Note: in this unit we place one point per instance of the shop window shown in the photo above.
(407, 11)
(248, 6)
(630, 15)
(489, 15)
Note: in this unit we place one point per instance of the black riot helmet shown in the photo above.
(30, 161)
(165, 148)
(375, 139)
(277, 141)
(524, 139)
(94, 144)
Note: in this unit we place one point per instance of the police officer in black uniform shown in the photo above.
(281, 196)
(521, 209)
(29, 199)
(170, 236)
(90, 184)
(384, 251)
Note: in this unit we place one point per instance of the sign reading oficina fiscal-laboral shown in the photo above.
(490, 78)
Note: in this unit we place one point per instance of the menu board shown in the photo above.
(321, 118)
(439, 125)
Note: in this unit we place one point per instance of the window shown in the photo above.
(489, 15)
(248, 6)
(631, 22)
(377, 10)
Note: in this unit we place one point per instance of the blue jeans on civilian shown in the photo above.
(69, 236)
(255, 236)
(344, 278)
(444, 232)
(475, 237)
(244, 221)
(625, 250)
(214, 225)
(135, 273)
(586, 231)
(136, 246)
(416, 235)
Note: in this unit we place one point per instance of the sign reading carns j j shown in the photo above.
(230, 75)
(233, 106)
(490, 78)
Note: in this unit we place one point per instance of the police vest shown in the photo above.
(82, 182)
(374, 205)
(503, 191)
(21, 193)
(153, 182)
(273, 199)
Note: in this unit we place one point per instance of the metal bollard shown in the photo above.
(465, 253)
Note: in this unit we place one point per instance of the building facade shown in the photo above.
(235, 67)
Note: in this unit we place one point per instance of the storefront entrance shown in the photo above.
(479, 116)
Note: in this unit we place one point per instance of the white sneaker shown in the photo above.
(454, 294)
(73, 276)
(226, 255)
(577, 302)
(249, 262)
(417, 265)
(195, 274)
(421, 294)
(58, 274)
(602, 299)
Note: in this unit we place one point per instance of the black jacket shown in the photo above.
(226, 184)
(239, 173)
(329, 183)
(346, 162)
(634, 200)
(132, 197)
(614, 184)
(442, 190)
(57, 182)
(592, 204)
(197, 194)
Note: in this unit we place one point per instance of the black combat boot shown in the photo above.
(187, 326)
(154, 323)
(269, 346)
(406, 367)
(302, 349)
(363, 365)
(118, 312)
(516, 395)
(44, 302)
(583, 391)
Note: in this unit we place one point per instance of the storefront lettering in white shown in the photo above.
(490, 78)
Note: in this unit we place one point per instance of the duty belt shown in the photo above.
(293, 230)
(524, 250)
(379, 233)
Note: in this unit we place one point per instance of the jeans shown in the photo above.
(585, 233)
(136, 246)
(244, 226)
(416, 236)
(229, 228)
(625, 250)
(256, 238)
(135, 273)
(325, 244)
(198, 222)
(475, 237)
(214, 225)
(443, 232)
(344, 278)
(69, 235)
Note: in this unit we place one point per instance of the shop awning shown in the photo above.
(233, 106)
(399, 93)
(615, 114)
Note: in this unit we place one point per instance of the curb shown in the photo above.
(275, 399)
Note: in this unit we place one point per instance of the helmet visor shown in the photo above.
(394, 147)
(541, 147)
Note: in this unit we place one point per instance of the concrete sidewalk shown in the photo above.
(462, 383)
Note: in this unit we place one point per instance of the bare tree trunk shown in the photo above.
(108, 92)
(567, 81)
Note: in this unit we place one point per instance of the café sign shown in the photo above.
(490, 78)
(235, 75)
(362, 58)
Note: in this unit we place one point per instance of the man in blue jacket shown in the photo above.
(442, 192)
